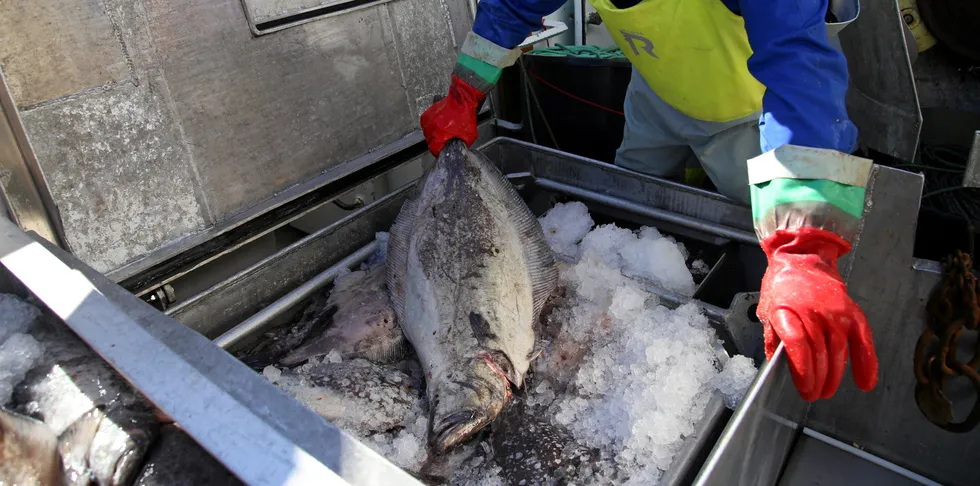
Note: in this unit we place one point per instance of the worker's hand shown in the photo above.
(804, 303)
(452, 117)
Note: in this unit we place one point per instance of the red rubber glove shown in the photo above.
(804, 303)
(452, 117)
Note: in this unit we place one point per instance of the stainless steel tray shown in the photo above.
(240, 309)
(203, 387)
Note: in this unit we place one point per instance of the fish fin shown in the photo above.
(396, 260)
(321, 345)
(314, 322)
(538, 255)
(75, 441)
(391, 352)
(39, 444)
(312, 349)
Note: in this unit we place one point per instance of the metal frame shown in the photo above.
(254, 429)
(235, 299)
(157, 269)
(237, 415)
(884, 425)
(881, 98)
(254, 26)
(234, 413)
(760, 435)
(24, 188)
(892, 288)
(243, 306)
(841, 447)
(681, 209)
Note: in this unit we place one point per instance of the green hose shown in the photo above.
(591, 52)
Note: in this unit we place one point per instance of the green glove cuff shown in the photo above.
(473, 68)
(793, 187)
(815, 203)
(480, 62)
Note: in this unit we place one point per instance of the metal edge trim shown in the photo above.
(123, 343)
(742, 411)
(40, 183)
(280, 199)
(248, 19)
(504, 140)
(271, 259)
(869, 457)
(253, 26)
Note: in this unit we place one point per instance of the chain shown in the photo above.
(952, 308)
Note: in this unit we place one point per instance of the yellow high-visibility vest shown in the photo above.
(693, 54)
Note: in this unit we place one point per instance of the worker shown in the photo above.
(754, 90)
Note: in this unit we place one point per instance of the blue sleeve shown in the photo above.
(508, 22)
(805, 78)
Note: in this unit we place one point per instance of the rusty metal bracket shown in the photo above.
(952, 309)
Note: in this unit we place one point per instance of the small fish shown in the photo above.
(364, 324)
(468, 272)
(70, 382)
(32, 455)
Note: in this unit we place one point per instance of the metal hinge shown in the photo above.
(161, 297)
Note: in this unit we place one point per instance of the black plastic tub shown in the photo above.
(581, 99)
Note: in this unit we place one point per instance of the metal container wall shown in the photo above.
(273, 290)
(160, 124)
(674, 207)
(856, 437)
(257, 431)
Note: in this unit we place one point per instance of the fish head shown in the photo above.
(465, 402)
(28, 452)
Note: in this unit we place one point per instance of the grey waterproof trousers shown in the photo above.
(660, 141)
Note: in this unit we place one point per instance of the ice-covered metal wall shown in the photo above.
(154, 120)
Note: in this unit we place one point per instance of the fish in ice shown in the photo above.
(70, 382)
(364, 324)
(32, 455)
(356, 395)
(468, 272)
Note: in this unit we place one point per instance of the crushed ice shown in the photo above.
(735, 379)
(564, 226)
(19, 351)
(647, 372)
